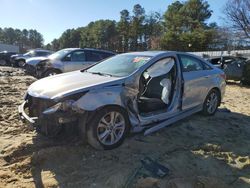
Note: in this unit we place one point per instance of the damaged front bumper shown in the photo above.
(24, 117)
(54, 119)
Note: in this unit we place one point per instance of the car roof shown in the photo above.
(149, 53)
(99, 50)
(90, 49)
(41, 50)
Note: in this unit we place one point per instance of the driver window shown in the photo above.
(190, 63)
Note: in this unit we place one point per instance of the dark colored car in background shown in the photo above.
(19, 60)
(5, 57)
(246, 73)
(232, 66)
(65, 60)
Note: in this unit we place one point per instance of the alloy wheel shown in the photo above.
(111, 128)
(212, 102)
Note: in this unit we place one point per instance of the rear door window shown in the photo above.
(93, 56)
(190, 63)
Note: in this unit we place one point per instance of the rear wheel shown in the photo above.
(51, 72)
(108, 128)
(3, 62)
(211, 103)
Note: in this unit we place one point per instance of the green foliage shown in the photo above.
(25, 39)
(131, 33)
(183, 27)
(186, 28)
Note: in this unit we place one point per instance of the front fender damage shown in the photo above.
(118, 95)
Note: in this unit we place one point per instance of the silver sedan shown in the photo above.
(131, 92)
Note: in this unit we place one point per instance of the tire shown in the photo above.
(51, 72)
(101, 131)
(21, 63)
(209, 108)
(3, 62)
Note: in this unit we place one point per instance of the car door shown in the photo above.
(196, 81)
(74, 61)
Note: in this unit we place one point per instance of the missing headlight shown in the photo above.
(62, 106)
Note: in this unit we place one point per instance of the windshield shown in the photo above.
(120, 65)
(30, 53)
(59, 54)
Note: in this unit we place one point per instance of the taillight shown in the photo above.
(223, 75)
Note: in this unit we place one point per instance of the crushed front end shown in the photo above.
(46, 115)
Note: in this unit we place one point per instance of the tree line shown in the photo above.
(25, 39)
(183, 26)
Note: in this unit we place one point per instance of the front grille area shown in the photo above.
(30, 69)
(38, 105)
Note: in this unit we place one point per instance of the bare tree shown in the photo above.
(238, 13)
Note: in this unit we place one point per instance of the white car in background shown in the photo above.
(65, 60)
(19, 60)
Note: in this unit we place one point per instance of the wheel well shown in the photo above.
(113, 105)
(92, 113)
(49, 69)
(21, 60)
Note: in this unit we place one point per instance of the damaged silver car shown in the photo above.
(129, 92)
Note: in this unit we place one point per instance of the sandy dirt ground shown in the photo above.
(200, 152)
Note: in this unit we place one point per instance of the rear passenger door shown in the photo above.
(74, 61)
(196, 81)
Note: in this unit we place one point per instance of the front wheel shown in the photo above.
(108, 128)
(211, 103)
(3, 62)
(21, 63)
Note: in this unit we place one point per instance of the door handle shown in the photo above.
(207, 76)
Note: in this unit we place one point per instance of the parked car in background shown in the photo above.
(127, 92)
(65, 60)
(245, 80)
(19, 60)
(232, 66)
(5, 57)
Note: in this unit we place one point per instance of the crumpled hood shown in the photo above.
(35, 60)
(65, 84)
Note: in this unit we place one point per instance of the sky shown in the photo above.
(52, 17)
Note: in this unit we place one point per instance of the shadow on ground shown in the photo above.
(210, 151)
